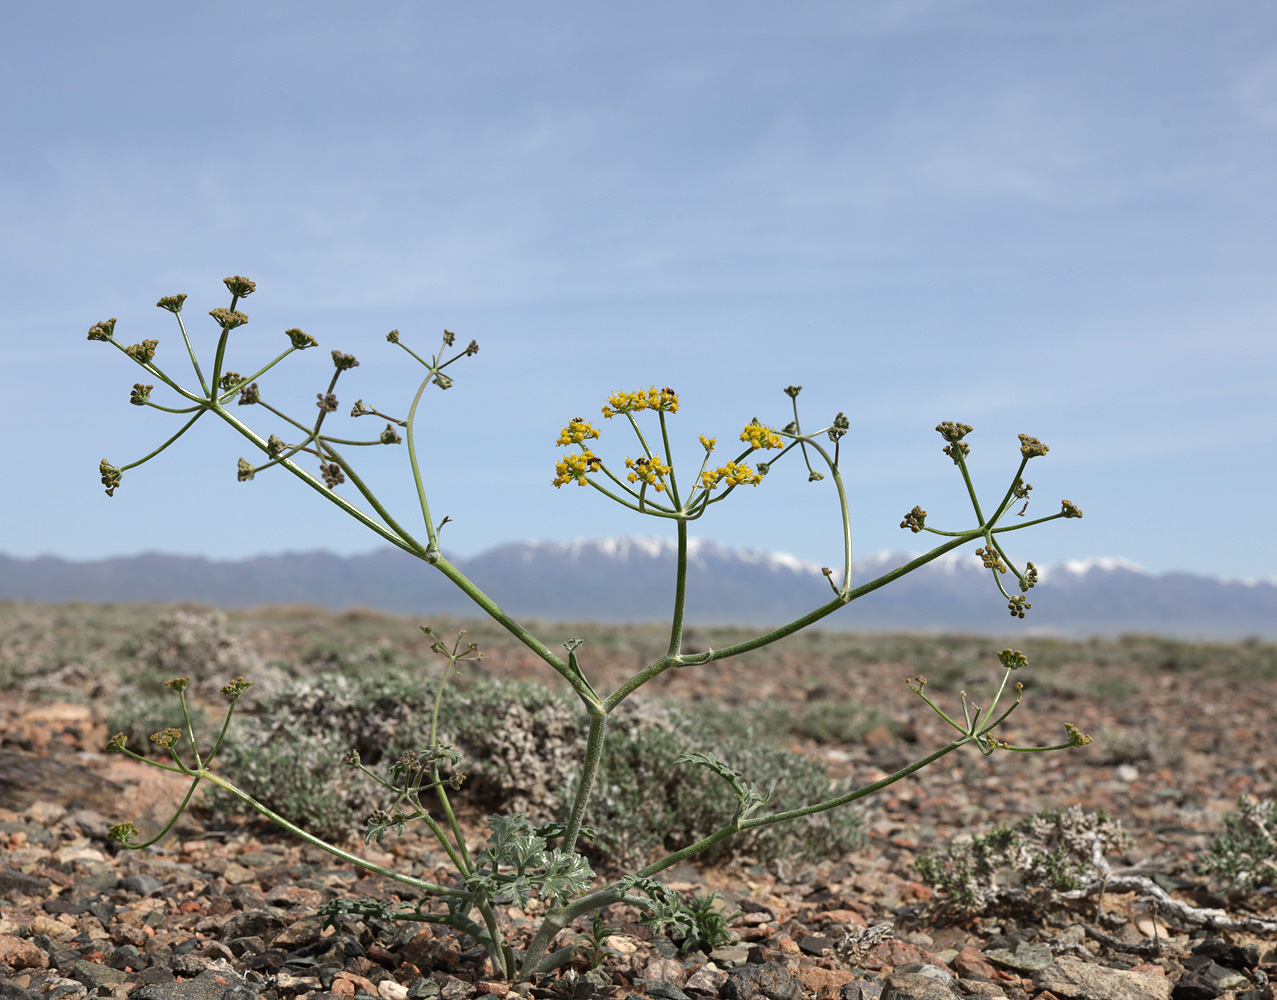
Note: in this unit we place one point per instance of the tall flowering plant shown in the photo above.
(521, 862)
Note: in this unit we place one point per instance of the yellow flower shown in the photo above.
(649, 471)
(708, 443)
(733, 473)
(644, 399)
(576, 432)
(757, 435)
(574, 468)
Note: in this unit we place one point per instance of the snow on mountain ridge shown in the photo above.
(624, 547)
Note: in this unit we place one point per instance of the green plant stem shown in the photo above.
(225, 397)
(432, 547)
(191, 351)
(323, 845)
(680, 593)
(169, 825)
(669, 460)
(589, 770)
(146, 458)
(966, 478)
(797, 625)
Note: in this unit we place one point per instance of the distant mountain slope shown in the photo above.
(630, 579)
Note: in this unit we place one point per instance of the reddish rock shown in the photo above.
(20, 954)
(667, 969)
(971, 964)
(823, 983)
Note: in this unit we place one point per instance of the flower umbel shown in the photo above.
(578, 431)
(757, 435)
(665, 399)
(650, 471)
(574, 468)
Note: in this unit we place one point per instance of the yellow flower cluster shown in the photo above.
(651, 399)
(757, 435)
(733, 473)
(647, 470)
(574, 468)
(708, 443)
(576, 432)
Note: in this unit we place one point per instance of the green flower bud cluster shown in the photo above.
(915, 520)
(142, 352)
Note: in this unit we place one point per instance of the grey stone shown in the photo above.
(9, 990)
(57, 988)
(925, 969)
(94, 975)
(663, 990)
(253, 923)
(12, 882)
(729, 957)
(423, 989)
(769, 980)
(142, 885)
(211, 984)
(860, 990)
(1224, 978)
(1073, 979)
(1027, 956)
(913, 986)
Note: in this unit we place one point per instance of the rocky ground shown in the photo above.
(210, 913)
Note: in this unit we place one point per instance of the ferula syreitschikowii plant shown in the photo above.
(521, 862)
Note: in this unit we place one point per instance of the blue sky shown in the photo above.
(1050, 218)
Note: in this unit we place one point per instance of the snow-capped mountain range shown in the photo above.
(631, 579)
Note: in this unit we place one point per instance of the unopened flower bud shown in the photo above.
(110, 476)
(839, 428)
(1077, 738)
(228, 319)
(102, 331)
(351, 759)
(360, 409)
(167, 739)
(116, 744)
(952, 431)
(1031, 447)
(393, 336)
(274, 446)
(326, 401)
(472, 348)
(449, 338)
(121, 833)
(249, 395)
(792, 391)
(915, 520)
(239, 286)
(141, 394)
(443, 381)
(177, 683)
(1018, 606)
(300, 340)
(344, 361)
(333, 476)
(390, 435)
(1069, 509)
(244, 471)
(231, 378)
(142, 352)
(814, 476)
(236, 688)
(1013, 659)
(173, 303)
